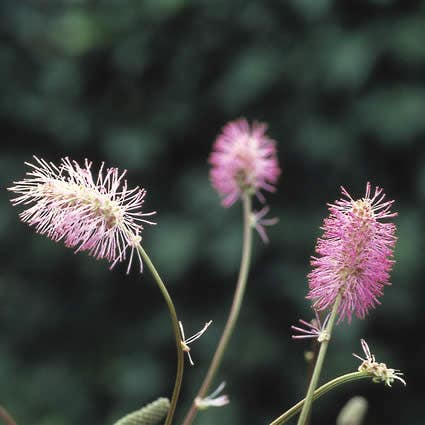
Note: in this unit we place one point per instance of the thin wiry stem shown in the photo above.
(234, 310)
(302, 420)
(178, 338)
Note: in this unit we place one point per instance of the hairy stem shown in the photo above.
(174, 320)
(302, 420)
(349, 377)
(234, 310)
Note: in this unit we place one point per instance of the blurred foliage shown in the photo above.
(146, 85)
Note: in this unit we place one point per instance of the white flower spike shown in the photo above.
(185, 342)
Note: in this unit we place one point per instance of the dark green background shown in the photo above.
(146, 85)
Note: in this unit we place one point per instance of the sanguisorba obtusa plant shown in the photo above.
(353, 264)
(243, 164)
(99, 214)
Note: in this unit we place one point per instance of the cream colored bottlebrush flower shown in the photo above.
(94, 213)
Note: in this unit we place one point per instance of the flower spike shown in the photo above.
(98, 214)
(212, 400)
(354, 254)
(378, 371)
(185, 342)
(243, 160)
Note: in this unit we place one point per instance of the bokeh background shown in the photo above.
(146, 85)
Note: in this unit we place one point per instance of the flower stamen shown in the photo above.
(186, 341)
(315, 329)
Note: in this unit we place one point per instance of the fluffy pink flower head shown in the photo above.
(101, 216)
(243, 160)
(354, 254)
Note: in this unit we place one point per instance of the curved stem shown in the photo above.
(173, 314)
(234, 310)
(349, 377)
(302, 420)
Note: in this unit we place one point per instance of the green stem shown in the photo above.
(234, 310)
(349, 377)
(302, 420)
(173, 314)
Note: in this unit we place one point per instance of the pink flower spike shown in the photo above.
(354, 254)
(244, 159)
(259, 222)
(314, 329)
(97, 214)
